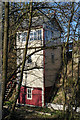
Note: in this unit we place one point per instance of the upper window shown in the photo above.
(39, 35)
(29, 93)
(22, 36)
(48, 35)
(34, 35)
(31, 36)
(25, 35)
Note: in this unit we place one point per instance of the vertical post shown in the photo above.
(0, 58)
(43, 88)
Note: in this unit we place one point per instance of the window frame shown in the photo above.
(35, 35)
(39, 34)
(31, 36)
(25, 35)
(22, 36)
(29, 98)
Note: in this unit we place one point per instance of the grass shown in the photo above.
(54, 113)
(22, 113)
(40, 109)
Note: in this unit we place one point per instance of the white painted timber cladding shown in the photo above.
(35, 76)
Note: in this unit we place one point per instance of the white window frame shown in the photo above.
(31, 36)
(37, 35)
(22, 38)
(30, 93)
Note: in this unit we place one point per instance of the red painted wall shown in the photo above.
(21, 98)
(36, 97)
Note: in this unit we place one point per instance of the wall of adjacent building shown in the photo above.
(52, 66)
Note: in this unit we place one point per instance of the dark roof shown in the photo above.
(38, 21)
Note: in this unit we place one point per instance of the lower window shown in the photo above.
(29, 93)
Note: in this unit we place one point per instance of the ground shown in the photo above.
(35, 113)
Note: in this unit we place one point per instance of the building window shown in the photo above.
(29, 93)
(31, 36)
(39, 35)
(47, 34)
(25, 35)
(35, 35)
(22, 36)
(52, 58)
(29, 59)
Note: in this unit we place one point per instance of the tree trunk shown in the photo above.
(24, 58)
(5, 49)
